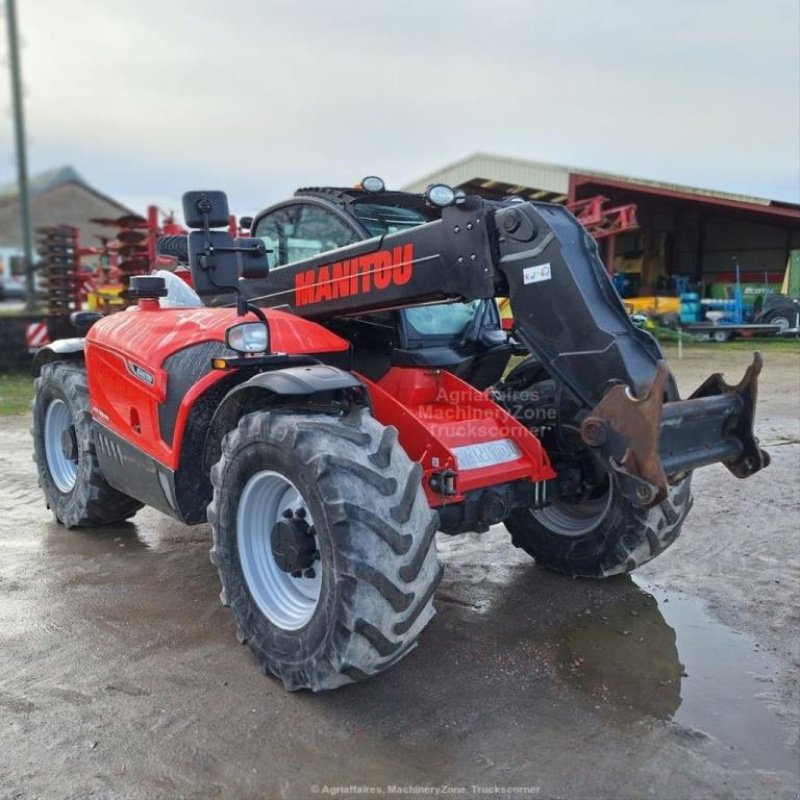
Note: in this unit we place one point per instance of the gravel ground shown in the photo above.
(120, 675)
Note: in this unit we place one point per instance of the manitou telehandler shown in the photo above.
(338, 400)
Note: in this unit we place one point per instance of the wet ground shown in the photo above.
(120, 675)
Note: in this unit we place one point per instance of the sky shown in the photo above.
(148, 99)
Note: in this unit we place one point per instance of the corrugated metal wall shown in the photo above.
(546, 177)
(755, 246)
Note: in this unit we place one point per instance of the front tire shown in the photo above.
(63, 449)
(361, 595)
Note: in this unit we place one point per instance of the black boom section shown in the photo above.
(566, 310)
(449, 259)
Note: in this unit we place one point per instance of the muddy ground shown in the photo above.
(120, 675)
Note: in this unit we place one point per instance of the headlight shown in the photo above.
(248, 337)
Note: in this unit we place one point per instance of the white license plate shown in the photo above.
(486, 454)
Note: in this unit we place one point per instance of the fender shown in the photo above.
(318, 383)
(60, 350)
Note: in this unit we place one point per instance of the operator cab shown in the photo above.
(464, 338)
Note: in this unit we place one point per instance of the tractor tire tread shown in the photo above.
(386, 571)
(92, 502)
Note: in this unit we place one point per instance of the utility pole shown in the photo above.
(22, 157)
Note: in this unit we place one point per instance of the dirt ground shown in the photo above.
(120, 675)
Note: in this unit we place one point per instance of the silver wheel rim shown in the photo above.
(57, 422)
(781, 322)
(286, 601)
(572, 519)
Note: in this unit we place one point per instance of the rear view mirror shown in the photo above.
(205, 209)
(217, 261)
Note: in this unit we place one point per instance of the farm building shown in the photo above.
(58, 197)
(677, 231)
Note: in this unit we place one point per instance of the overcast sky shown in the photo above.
(148, 98)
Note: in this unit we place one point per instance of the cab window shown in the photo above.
(443, 320)
(380, 219)
(302, 231)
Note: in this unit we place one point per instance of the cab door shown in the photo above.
(297, 230)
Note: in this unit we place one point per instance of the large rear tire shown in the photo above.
(359, 591)
(64, 452)
(600, 532)
(600, 536)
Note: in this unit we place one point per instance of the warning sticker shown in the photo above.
(536, 274)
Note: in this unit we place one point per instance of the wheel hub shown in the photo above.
(287, 599)
(60, 441)
(293, 543)
(69, 443)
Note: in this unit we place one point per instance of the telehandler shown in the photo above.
(330, 394)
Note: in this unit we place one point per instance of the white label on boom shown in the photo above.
(536, 274)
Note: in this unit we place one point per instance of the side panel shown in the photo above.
(125, 392)
(135, 473)
(447, 425)
(146, 367)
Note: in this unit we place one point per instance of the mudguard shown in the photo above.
(60, 350)
(317, 381)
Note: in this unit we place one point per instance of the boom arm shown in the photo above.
(566, 312)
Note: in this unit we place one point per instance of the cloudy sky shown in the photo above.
(147, 98)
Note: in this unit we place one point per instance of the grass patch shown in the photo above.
(16, 392)
(19, 312)
(771, 345)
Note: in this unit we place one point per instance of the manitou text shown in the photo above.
(354, 276)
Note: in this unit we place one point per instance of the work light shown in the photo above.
(440, 195)
(373, 184)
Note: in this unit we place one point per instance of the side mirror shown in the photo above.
(205, 209)
(218, 261)
(246, 223)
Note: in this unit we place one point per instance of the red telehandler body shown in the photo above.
(334, 394)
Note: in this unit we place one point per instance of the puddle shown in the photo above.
(674, 662)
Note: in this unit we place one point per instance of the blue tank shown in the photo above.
(691, 309)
